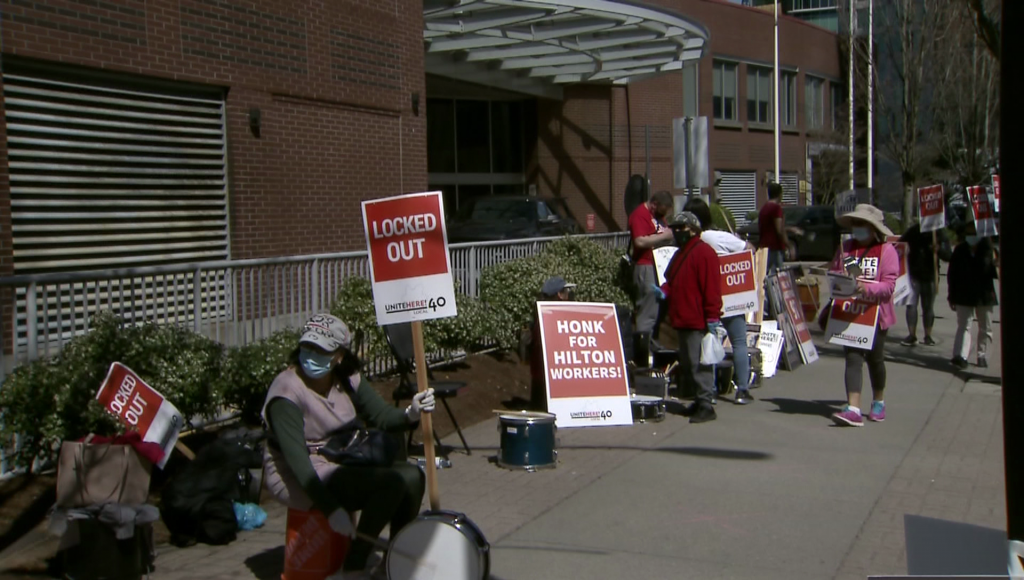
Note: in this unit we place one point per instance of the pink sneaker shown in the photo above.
(877, 413)
(848, 418)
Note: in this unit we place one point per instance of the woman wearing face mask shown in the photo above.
(319, 393)
(879, 266)
(972, 294)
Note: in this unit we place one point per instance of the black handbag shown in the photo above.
(354, 444)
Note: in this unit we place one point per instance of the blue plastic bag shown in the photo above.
(249, 516)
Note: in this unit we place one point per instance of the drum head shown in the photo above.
(444, 552)
(645, 399)
(526, 416)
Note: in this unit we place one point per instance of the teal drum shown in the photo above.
(527, 440)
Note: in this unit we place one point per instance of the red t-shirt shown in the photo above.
(642, 224)
(769, 238)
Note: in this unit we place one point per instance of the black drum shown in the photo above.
(527, 440)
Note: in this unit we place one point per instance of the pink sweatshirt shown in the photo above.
(881, 264)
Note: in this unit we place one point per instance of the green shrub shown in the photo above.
(722, 218)
(893, 223)
(510, 289)
(249, 370)
(751, 216)
(48, 401)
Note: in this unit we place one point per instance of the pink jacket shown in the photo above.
(881, 264)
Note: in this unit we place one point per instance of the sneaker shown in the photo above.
(928, 341)
(703, 415)
(959, 362)
(714, 399)
(743, 397)
(848, 418)
(691, 409)
(877, 413)
(982, 362)
(909, 341)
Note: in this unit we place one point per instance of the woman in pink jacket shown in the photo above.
(879, 266)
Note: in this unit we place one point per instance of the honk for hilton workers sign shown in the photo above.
(583, 364)
(409, 263)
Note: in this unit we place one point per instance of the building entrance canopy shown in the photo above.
(537, 46)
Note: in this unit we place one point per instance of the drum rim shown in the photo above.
(527, 417)
(463, 524)
(533, 467)
(645, 399)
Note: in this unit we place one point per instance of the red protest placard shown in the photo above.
(739, 289)
(140, 407)
(409, 263)
(852, 323)
(932, 202)
(982, 211)
(796, 313)
(584, 367)
(995, 191)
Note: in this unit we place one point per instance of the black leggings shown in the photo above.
(924, 293)
(875, 358)
(384, 495)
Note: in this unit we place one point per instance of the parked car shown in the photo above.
(812, 230)
(511, 217)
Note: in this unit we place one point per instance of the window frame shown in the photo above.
(755, 71)
(722, 68)
(787, 86)
(814, 108)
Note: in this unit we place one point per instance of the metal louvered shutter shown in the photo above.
(738, 192)
(110, 174)
(790, 188)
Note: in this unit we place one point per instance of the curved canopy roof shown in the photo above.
(537, 45)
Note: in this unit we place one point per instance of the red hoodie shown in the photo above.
(693, 288)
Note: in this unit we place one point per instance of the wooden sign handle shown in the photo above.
(426, 419)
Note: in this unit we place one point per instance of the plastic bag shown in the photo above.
(249, 516)
(711, 350)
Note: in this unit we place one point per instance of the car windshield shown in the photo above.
(498, 210)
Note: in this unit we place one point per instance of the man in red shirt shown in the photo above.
(646, 232)
(693, 290)
(772, 228)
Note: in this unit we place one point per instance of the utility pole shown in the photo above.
(853, 61)
(778, 142)
(871, 99)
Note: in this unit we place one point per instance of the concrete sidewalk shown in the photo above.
(771, 490)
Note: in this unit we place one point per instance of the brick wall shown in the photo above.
(333, 79)
(594, 179)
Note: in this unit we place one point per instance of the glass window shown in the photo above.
(469, 193)
(472, 136)
(498, 209)
(759, 94)
(788, 89)
(724, 78)
(507, 136)
(690, 91)
(441, 135)
(814, 102)
(837, 105)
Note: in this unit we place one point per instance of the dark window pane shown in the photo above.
(448, 195)
(507, 136)
(467, 193)
(509, 190)
(440, 136)
(763, 109)
(730, 109)
(752, 111)
(472, 137)
(718, 107)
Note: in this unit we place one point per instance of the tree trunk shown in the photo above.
(909, 197)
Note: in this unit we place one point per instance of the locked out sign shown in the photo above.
(409, 263)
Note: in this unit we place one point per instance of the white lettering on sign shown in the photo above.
(581, 327)
(931, 200)
(406, 250)
(404, 225)
(734, 267)
(123, 394)
(855, 307)
(735, 279)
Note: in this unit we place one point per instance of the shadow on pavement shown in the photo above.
(267, 565)
(802, 407)
(552, 549)
(710, 452)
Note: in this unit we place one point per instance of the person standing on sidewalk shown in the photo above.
(771, 226)
(972, 294)
(693, 290)
(880, 266)
(726, 243)
(646, 232)
(923, 279)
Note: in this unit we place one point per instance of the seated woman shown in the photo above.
(316, 395)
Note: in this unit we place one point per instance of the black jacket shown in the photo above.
(972, 275)
(920, 259)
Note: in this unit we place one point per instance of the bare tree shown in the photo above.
(987, 23)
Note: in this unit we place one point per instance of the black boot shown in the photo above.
(704, 414)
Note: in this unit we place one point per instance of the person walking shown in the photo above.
(925, 249)
(693, 291)
(972, 294)
(646, 232)
(879, 266)
(736, 326)
(771, 226)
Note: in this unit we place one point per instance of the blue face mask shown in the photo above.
(314, 364)
(972, 240)
(862, 234)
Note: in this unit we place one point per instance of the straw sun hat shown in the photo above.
(867, 213)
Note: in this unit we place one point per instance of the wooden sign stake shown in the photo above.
(426, 419)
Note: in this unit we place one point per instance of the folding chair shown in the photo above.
(399, 337)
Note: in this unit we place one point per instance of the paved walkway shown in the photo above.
(768, 491)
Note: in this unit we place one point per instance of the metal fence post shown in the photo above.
(474, 273)
(30, 321)
(197, 300)
(314, 284)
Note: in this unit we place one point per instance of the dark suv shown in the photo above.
(509, 217)
(811, 228)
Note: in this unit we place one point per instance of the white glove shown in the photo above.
(341, 523)
(422, 402)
